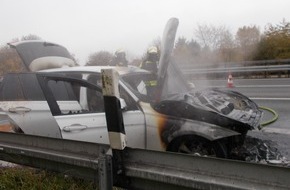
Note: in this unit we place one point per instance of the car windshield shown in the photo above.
(145, 86)
(142, 84)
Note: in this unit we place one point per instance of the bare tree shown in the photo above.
(100, 58)
(210, 36)
(215, 41)
(247, 39)
(181, 51)
(225, 46)
(10, 61)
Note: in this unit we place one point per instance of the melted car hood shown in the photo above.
(39, 55)
(217, 106)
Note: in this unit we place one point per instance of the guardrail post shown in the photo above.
(105, 172)
(115, 124)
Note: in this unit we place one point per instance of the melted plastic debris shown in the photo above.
(259, 151)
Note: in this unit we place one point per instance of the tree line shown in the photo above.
(210, 45)
(216, 44)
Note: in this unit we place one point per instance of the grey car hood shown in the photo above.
(39, 55)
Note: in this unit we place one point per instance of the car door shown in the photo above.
(87, 121)
(22, 99)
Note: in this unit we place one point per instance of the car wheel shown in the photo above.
(199, 146)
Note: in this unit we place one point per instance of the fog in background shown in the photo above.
(88, 26)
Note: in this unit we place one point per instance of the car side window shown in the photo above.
(30, 87)
(62, 91)
(95, 98)
(97, 80)
(130, 102)
(95, 101)
(71, 98)
(21, 87)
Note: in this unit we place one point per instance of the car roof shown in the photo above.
(97, 69)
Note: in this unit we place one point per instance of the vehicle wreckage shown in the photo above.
(58, 99)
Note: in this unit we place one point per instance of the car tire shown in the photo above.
(199, 146)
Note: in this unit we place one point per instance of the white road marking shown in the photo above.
(251, 86)
(263, 86)
(276, 130)
(262, 98)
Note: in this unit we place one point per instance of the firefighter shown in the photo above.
(151, 61)
(119, 59)
(151, 64)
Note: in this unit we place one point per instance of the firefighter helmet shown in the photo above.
(120, 52)
(152, 50)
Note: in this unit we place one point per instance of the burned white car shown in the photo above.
(68, 103)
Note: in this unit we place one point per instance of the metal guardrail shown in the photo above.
(237, 69)
(143, 169)
(260, 62)
(149, 169)
(75, 158)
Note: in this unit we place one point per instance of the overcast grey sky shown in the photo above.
(88, 26)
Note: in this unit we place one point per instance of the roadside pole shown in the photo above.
(115, 124)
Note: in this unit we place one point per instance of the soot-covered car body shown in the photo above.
(68, 103)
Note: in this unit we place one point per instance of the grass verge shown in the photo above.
(23, 178)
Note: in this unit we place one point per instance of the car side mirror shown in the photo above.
(123, 104)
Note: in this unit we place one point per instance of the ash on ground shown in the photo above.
(260, 151)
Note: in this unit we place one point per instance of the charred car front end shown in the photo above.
(214, 114)
(216, 120)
